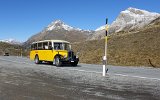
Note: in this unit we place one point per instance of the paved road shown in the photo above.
(21, 79)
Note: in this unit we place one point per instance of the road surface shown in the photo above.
(21, 79)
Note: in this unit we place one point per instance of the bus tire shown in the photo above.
(58, 63)
(36, 59)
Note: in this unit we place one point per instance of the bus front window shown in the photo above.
(61, 46)
(58, 46)
(67, 46)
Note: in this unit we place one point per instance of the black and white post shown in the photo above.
(105, 56)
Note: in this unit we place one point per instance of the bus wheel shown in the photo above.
(36, 60)
(58, 63)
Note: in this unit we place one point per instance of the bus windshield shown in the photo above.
(61, 46)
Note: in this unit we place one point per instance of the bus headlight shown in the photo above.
(65, 56)
(77, 55)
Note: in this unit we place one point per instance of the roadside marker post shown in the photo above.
(105, 57)
(104, 66)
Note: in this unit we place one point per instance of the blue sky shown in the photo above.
(20, 19)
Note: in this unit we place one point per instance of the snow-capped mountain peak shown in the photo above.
(58, 24)
(132, 18)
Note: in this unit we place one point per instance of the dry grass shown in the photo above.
(89, 51)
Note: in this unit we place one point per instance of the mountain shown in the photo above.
(132, 19)
(11, 41)
(129, 20)
(60, 30)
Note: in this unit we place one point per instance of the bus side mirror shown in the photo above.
(70, 47)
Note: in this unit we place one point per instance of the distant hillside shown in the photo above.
(12, 49)
(125, 48)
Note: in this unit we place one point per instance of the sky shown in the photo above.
(20, 19)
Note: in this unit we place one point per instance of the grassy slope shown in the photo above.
(90, 51)
(129, 49)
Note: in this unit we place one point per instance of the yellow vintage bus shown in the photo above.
(57, 52)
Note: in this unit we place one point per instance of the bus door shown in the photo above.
(47, 51)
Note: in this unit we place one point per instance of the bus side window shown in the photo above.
(45, 45)
(31, 47)
(40, 46)
(34, 46)
(50, 46)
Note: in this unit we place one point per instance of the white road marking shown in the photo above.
(141, 77)
(83, 71)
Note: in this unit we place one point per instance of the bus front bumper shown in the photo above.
(70, 60)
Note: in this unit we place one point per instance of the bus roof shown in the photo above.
(51, 41)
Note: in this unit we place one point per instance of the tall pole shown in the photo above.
(105, 56)
(106, 39)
